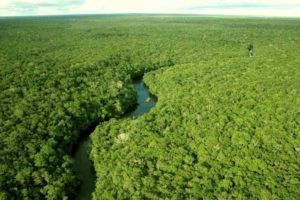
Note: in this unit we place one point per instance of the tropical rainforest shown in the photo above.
(225, 126)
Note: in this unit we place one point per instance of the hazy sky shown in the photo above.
(289, 8)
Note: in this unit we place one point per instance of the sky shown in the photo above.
(286, 8)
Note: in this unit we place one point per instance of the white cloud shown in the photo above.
(228, 7)
(292, 12)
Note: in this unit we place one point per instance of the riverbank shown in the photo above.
(83, 165)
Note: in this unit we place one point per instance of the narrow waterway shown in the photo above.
(83, 165)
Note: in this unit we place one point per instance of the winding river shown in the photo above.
(83, 165)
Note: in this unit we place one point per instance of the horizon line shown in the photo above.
(133, 13)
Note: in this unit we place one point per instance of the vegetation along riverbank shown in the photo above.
(225, 126)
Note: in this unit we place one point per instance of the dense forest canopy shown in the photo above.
(226, 126)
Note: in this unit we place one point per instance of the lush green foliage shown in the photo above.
(213, 135)
(225, 126)
(50, 93)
